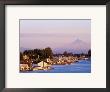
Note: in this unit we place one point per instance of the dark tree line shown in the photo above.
(65, 53)
(41, 54)
(37, 54)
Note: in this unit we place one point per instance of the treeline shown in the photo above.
(42, 54)
(65, 53)
(37, 53)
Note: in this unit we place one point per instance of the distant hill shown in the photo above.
(77, 46)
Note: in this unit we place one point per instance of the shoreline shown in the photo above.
(53, 67)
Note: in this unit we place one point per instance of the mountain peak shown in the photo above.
(78, 41)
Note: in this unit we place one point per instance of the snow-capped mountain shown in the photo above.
(77, 46)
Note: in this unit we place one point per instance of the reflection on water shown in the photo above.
(83, 66)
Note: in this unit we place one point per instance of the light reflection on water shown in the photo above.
(83, 66)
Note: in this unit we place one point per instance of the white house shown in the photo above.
(24, 67)
(43, 64)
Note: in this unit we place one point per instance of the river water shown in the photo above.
(83, 66)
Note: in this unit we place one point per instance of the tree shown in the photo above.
(21, 56)
(89, 53)
(48, 52)
(42, 53)
(25, 52)
(65, 53)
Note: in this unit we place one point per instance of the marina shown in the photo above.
(82, 66)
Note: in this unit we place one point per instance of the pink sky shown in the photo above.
(53, 33)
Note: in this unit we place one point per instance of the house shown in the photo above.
(42, 66)
(49, 61)
(24, 67)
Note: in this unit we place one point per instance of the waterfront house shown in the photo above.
(24, 67)
(42, 66)
(49, 61)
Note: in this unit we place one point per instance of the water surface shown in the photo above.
(83, 66)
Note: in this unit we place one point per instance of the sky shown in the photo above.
(54, 33)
